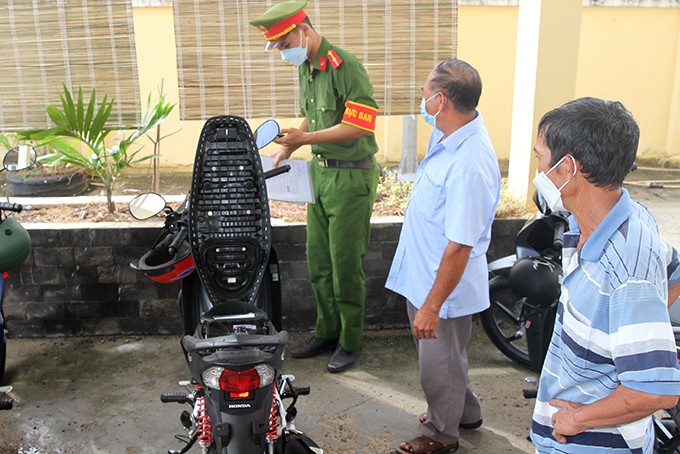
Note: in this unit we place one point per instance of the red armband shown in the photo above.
(360, 115)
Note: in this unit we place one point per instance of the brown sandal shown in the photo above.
(423, 445)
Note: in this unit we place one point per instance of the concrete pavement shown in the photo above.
(101, 395)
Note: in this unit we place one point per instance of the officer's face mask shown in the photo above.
(551, 193)
(429, 119)
(296, 55)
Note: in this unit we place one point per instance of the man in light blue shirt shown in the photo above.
(440, 263)
(612, 359)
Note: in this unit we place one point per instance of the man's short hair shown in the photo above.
(459, 82)
(601, 135)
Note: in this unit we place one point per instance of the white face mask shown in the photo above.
(551, 193)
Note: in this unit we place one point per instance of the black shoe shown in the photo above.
(342, 359)
(313, 347)
(471, 425)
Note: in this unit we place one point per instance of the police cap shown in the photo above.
(280, 19)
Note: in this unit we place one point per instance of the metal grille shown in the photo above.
(223, 68)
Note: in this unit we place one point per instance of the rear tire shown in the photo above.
(665, 445)
(65, 184)
(503, 322)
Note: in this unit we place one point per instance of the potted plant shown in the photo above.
(107, 157)
(42, 180)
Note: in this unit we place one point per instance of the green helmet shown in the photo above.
(15, 244)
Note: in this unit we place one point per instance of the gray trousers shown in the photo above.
(444, 378)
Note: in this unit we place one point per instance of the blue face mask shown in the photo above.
(297, 55)
(429, 119)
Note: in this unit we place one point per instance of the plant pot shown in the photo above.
(64, 184)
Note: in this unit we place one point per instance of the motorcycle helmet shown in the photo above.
(15, 244)
(537, 279)
(160, 266)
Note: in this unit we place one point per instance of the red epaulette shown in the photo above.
(335, 60)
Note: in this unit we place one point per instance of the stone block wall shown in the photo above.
(77, 281)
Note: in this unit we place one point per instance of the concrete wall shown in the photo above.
(77, 281)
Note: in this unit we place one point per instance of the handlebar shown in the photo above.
(277, 171)
(558, 241)
(16, 207)
(181, 235)
(530, 393)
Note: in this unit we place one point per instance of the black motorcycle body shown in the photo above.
(522, 309)
(231, 304)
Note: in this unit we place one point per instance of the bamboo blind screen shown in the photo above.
(45, 43)
(223, 68)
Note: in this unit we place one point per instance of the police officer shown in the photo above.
(337, 101)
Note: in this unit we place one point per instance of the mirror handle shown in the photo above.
(277, 171)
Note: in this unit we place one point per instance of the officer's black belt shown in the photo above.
(364, 163)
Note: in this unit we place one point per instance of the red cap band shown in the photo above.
(285, 26)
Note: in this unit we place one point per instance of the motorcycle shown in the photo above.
(524, 289)
(218, 244)
(15, 242)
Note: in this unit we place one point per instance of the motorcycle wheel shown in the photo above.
(503, 323)
(671, 446)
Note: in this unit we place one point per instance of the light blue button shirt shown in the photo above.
(454, 198)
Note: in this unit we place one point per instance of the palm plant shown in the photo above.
(107, 157)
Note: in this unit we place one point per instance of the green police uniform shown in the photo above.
(344, 177)
(338, 224)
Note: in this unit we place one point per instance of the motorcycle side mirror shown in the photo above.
(266, 133)
(19, 158)
(146, 205)
(540, 203)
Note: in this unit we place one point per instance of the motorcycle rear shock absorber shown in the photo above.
(203, 427)
(273, 431)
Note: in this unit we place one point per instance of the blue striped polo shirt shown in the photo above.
(673, 262)
(612, 329)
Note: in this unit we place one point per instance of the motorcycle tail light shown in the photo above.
(244, 395)
(239, 381)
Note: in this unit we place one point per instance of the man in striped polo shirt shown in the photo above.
(612, 360)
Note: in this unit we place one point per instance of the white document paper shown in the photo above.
(293, 186)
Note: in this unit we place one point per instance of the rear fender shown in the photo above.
(239, 428)
(502, 266)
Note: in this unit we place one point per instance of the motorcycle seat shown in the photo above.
(229, 229)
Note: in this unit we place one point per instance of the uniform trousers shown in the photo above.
(444, 378)
(338, 234)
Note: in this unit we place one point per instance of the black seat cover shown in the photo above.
(229, 227)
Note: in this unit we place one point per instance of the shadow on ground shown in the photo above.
(101, 395)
